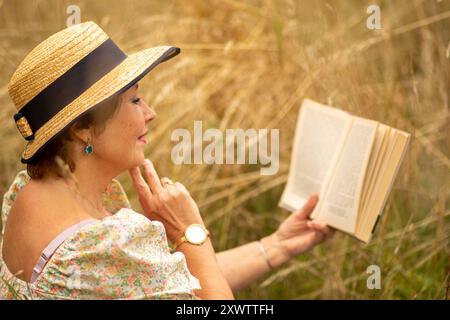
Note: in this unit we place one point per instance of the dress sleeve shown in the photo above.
(124, 256)
(114, 198)
(20, 180)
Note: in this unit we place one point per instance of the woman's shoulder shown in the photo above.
(36, 203)
(31, 202)
(34, 219)
(25, 191)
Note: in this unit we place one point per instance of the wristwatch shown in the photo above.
(194, 234)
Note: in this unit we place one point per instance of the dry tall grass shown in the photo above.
(248, 64)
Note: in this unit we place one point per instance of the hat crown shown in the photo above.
(51, 59)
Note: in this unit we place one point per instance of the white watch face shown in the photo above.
(195, 234)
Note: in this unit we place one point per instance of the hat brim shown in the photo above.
(117, 81)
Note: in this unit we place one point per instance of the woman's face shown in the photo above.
(122, 142)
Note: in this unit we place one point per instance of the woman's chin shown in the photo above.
(139, 157)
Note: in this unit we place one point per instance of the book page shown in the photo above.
(379, 148)
(319, 133)
(384, 181)
(340, 203)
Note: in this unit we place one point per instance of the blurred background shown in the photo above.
(249, 64)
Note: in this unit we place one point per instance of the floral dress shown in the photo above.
(123, 256)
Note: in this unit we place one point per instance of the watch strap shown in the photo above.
(181, 240)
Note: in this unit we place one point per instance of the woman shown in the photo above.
(69, 231)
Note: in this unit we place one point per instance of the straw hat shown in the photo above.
(69, 73)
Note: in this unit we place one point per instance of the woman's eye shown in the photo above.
(136, 101)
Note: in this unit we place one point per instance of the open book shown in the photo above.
(350, 162)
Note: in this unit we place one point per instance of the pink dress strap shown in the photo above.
(54, 244)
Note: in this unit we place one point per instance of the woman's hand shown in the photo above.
(165, 201)
(298, 234)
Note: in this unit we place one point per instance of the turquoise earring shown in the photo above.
(88, 149)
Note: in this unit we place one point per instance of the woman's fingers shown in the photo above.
(139, 182)
(304, 212)
(322, 227)
(165, 181)
(152, 177)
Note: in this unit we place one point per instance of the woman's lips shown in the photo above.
(142, 138)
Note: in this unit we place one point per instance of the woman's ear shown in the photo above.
(80, 135)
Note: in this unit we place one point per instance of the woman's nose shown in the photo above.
(150, 114)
